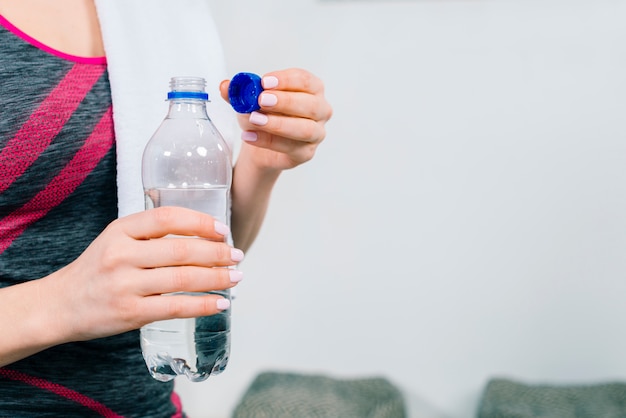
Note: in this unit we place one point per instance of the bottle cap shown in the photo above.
(244, 91)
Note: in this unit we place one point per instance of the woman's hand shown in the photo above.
(291, 122)
(116, 285)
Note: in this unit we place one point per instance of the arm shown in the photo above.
(282, 135)
(252, 187)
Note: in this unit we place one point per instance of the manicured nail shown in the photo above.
(269, 82)
(268, 99)
(222, 304)
(236, 254)
(235, 276)
(221, 228)
(257, 118)
(249, 136)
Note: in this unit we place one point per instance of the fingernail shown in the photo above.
(236, 254)
(222, 304)
(269, 82)
(249, 136)
(258, 118)
(268, 99)
(221, 228)
(235, 276)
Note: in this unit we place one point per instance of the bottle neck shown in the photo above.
(187, 109)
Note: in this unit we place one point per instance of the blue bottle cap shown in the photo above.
(244, 91)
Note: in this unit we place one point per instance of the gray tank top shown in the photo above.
(57, 193)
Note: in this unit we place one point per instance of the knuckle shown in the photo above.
(221, 280)
(277, 124)
(127, 311)
(174, 308)
(309, 153)
(314, 111)
(179, 249)
(110, 258)
(285, 100)
(328, 114)
(321, 134)
(307, 80)
(114, 227)
(222, 252)
(309, 130)
(208, 306)
(225, 278)
(205, 222)
(306, 153)
(181, 278)
(163, 215)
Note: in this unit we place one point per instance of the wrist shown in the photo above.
(251, 167)
(27, 322)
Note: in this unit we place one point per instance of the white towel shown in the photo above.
(147, 42)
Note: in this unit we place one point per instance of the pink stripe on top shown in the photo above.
(40, 129)
(17, 32)
(64, 184)
(178, 404)
(60, 390)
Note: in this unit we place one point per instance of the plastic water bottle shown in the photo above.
(187, 163)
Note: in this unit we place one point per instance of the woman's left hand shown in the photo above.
(290, 125)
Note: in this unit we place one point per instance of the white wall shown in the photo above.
(466, 216)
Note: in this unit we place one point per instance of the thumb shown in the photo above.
(224, 89)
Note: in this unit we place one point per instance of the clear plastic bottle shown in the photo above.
(187, 163)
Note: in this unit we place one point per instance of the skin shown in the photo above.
(116, 283)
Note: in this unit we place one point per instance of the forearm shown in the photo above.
(27, 321)
(251, 191)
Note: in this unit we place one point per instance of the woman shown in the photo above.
(81, 264)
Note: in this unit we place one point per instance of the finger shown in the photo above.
(166, 252)
(300, 129)
(224, 90)
(187, 279)
(160, 307)
(303, 105)
(293, 79)
(300, 97)
(297, 152)
(167, 220)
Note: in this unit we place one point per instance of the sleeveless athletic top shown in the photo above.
(57, 193)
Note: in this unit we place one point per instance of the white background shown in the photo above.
(465, 217)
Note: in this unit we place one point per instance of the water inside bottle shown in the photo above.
(196, 347)
(211, 200)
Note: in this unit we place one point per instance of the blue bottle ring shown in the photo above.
(244, 91)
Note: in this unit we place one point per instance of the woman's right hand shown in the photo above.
(117, 283)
